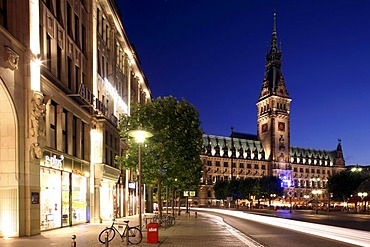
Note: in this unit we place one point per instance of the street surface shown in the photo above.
(276, 231)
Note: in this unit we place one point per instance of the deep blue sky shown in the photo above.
(212, 53)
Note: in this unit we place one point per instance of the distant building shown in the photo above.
(269, 152)
(67, 73)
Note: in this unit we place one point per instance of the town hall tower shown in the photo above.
(273, 117)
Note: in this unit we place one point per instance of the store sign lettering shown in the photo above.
(77, 172)
(88, 95)
(54, 161)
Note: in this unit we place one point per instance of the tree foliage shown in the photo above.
(244, 188)
(171, 157)
(344, 184)
(270, 185)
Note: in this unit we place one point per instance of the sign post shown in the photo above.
(187, 194)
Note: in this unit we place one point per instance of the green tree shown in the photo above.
(344, 184)
(248, 187)
(221, 190)
(270, 185)
(172, 156)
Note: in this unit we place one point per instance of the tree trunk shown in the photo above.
(173, 201)
(179, 202)
(159, 197)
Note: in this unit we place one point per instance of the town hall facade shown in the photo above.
(269, 153)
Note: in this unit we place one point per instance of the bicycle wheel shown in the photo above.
(172, 221)
(134, 235)
(103, 235)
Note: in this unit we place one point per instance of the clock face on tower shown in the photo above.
(264, 128)
(281, 126)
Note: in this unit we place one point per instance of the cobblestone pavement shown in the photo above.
(203, 230)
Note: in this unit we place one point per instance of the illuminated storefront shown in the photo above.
(63, 192)
(106, 178)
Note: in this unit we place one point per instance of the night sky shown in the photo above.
(212, 53)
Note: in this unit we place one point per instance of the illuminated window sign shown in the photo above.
(131, 185)
(54, 161)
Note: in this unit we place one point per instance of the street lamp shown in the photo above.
(317, 193)
(363, 195)
(306, 197)
(356, 169)
(272, 197)
(140, 136)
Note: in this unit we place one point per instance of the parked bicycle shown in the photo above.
(166, 220)
(134, 234)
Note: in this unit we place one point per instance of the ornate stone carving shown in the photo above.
(37, 116)
(36, 152)
(11, 57)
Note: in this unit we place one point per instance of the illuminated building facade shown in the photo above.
(269, 153)
(67, 73)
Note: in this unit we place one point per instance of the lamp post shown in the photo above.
(356, 169)
(272, 197)
(306, 197)
(317, 193)
(140, 136)
(363, 195)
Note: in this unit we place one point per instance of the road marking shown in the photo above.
(238, 234)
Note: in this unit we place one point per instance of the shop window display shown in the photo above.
(50, 200)
(65, 198)
(79, 192)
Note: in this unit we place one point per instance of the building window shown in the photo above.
(83, 129)
(307, 170)
(97, 19)
(77, 31)
(226, 164)
(3, 14)
(69, 73)
(233, 165)
(218, 163)
(249, 166)
(83, 39)
(99, 63)
(65, 131)
(103, 66)
(106, 156)
(74, 136)
(263, 167)
(59, 62)
(295, 169)
(312, 170)
(241, 165)
(59, 11)
(301, 169)
(48, 51)
(77, 78)
(256, 166)
(69, 19)
(53, 123)
(209, 162)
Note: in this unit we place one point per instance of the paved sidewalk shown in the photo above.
(203, 230)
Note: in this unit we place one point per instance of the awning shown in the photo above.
(354, 199)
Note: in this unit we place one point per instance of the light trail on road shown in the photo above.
(347, 235)
(247, 241)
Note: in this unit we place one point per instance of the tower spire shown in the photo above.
(273, 81)
(274, 33)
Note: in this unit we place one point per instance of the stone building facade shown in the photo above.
(269, 153)
(67, 74)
